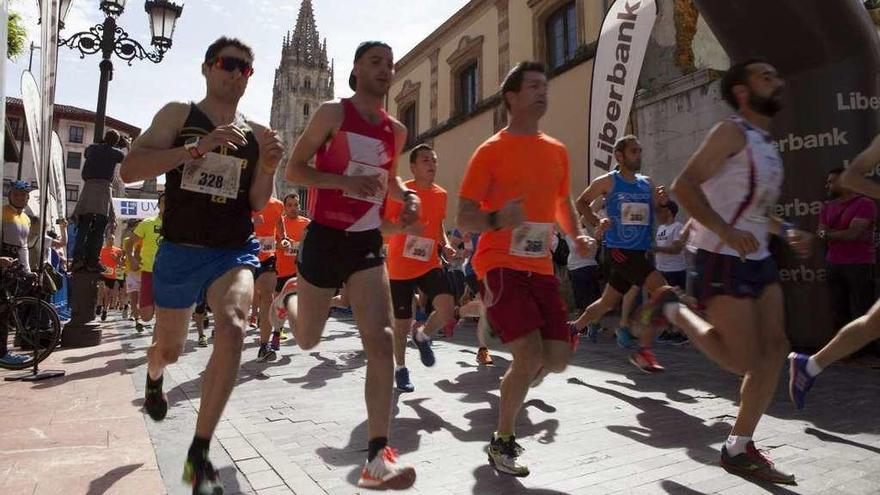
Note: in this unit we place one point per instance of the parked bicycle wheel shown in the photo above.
(32, 331)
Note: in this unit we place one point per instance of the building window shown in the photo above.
(306, 110)
(307, 84)
(72, 192)
(408, 118)
(15, 125)
(561, 35)
(467, 89)
(74, 159)
(76, 134)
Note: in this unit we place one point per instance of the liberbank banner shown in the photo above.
(828, 54)
(616, 67)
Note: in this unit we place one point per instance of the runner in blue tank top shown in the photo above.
(627, 231)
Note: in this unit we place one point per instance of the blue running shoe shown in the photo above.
(425, 352)
(799, 380)
(625, 339)
(401, 379)
(14, 359)
(593, 332)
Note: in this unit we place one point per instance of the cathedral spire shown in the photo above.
(306, 45)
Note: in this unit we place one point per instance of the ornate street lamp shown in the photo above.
(108, 38)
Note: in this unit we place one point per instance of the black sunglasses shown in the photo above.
(229, 64)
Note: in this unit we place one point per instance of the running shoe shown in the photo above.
(202, 477)
(385, 472)
(98, 310)
(125, 312)
(402, 381)
(651, 314)
(139, 327)
(503, 456)
(625, 339)
(203, 341)
(679, 339)
(426, 353)
(285, 335)
(645, 360)
(483, 357)
(155, 401)
(13, 359)
(275, 343)
(593, 332)
(574, 336)
(265, 354)
(253, 320)
(756, 464)
(799, 380)
(104, 314)
(278, 311)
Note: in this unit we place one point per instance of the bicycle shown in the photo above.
(29, 325)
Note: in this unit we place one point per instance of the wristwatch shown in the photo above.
(192, 147)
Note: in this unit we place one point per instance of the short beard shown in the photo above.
(765, 105)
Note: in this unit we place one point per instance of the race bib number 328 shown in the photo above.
(215, 174)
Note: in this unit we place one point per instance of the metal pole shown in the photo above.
(108, 40)
(23, 126)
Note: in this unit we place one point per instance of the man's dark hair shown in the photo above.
(290, 195)
(514, 79)
(835, 171)
(621, 143)
(111, 138)
(221, 43)
(738, 73)
(414, 154)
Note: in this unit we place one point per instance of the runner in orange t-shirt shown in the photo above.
(268, 229)
(515, 188)
(111, 256)
(285, 254)
(414, 263)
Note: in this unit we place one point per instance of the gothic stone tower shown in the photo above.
(302, 81)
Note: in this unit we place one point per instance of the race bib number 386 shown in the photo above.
(215, 174)
(531, 240)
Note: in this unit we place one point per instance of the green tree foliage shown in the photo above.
(16, 35)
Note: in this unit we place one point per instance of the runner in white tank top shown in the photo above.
(728, 186)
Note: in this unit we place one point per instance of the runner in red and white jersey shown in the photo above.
(356, 144)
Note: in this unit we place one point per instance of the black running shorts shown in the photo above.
(328, 256)
(432, 283)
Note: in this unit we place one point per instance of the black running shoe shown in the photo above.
(202, 476)
(755, 464)
(155, 401)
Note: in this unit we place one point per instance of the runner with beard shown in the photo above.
(728, 187)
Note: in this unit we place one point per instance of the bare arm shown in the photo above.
(270, 155)
(854, 177)
(323, 126)
(857, 228)
(723, 141)
(397, 186)
(597, 189)
(152, 154)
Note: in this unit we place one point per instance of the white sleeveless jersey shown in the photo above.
(743, 191)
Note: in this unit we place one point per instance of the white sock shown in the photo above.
(736, 445)
(399, 368)
(421, 336)
(813, 367)
(670, 311)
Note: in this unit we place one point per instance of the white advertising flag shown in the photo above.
(623, 41)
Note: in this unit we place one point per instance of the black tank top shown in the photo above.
(204, 219)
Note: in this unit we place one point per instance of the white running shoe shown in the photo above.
(278, 311)
(384, 472)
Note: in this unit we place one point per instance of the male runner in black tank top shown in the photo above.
(216, 175)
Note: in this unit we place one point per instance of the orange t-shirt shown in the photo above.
(285, 259)
(266, 225)
(506, 167)
(411, 256)
(110, 256)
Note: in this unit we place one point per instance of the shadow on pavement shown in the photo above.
(101, 485)
(492, 482)
(329, 369)
(827, 437)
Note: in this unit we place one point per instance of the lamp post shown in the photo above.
(108, 38)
